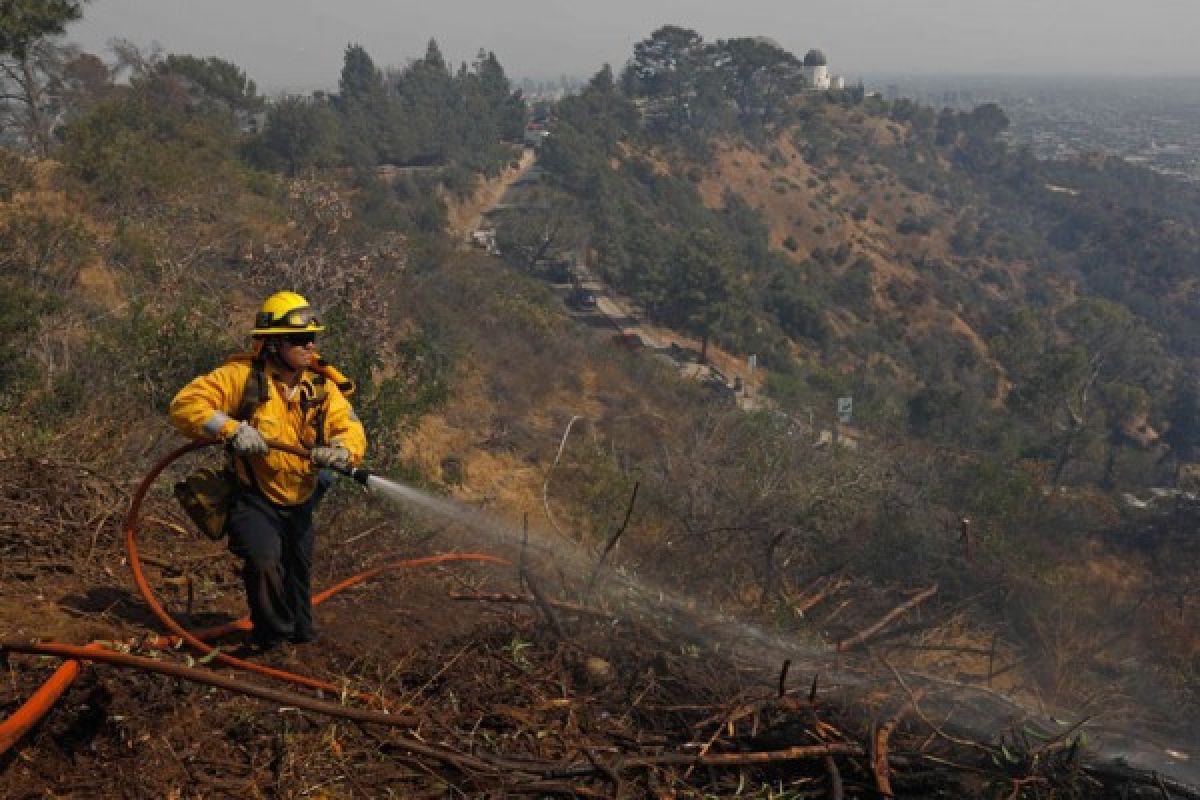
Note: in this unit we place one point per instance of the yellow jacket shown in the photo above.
(203, 410)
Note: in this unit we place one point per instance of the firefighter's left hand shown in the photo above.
(334, 457)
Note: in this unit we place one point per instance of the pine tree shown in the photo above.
(25, 24)
(361, 80)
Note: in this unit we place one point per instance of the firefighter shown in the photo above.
(281, 391)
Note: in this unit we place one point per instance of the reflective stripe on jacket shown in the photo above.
(205, 408)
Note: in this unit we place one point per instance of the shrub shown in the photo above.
(20, 309)
(856, 287)
(420, 385)
(16, 174)
(458, 180)
(915, 225)
(160, 351)
(49, 250)
(138, 154)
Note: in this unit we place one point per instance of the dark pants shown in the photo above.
(275, 544)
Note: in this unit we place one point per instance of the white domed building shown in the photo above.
(816, 72)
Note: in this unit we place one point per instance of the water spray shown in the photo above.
(732, 634)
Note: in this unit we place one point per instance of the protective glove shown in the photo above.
(247, 441)
(334, 457)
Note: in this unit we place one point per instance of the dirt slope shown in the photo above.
(504, 698)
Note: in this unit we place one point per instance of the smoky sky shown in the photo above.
(298, 44)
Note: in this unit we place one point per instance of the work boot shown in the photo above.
(303, 637)
(254, 650)
(264, 644)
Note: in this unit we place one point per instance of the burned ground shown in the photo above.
(501, 694)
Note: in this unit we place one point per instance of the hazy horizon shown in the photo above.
(298, 44)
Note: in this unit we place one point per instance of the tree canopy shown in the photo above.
(23, 22)
(218, 78)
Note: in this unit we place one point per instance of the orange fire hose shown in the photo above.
(208, 677)
(40, 703)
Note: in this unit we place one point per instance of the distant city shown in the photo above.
(1150, 121)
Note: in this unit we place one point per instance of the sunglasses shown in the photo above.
(299, 339)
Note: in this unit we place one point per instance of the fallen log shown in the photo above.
(798, 753)
(818, 592)
(879, 755)
(503, 597)
(887, 619)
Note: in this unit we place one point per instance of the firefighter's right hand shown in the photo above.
(247, 441)
(335, 457)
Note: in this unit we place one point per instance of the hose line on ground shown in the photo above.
(208, 677)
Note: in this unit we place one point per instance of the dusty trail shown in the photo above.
(467, 215)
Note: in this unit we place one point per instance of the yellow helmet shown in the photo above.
(286, 312)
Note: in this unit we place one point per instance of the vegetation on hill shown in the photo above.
(964, 293)
(1017, 333)
(1008, 365)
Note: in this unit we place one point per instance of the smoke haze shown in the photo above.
(298, 44)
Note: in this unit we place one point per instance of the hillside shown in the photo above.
(694, 600)
(963, 293)
(1015, 333)
(809, 210)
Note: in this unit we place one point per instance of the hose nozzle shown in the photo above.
(357, 473)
